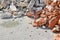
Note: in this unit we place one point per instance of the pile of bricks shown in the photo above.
(49, 16)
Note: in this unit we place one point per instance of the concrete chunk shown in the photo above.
(31, 4)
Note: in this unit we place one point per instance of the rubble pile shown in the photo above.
(49, 16)
(16, 6)
(45, 12)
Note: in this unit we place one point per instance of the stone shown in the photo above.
(23, 4)
(13, 7)
(42, 1)
(6, 15)
(31, 4)
(39, 8)
(37, 3)
(21, 13)
(1, 6)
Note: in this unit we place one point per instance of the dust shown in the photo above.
(10, 24)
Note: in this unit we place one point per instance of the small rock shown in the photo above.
(31, 4)
(30, 35)
(23, 4)
(39, 8)
(30, 23)
(43, 27)
(45, 31)
(21, 13)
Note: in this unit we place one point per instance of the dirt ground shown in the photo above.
(22, 29)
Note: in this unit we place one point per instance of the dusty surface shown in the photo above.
(22, 29)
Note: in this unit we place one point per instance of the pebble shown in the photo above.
(45, 31)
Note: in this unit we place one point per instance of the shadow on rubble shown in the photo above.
(46, 28)
(43, 27)
(12, 17)
(6, 17)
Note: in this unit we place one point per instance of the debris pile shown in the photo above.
(44, 13)
(16, 6)
(49, 16)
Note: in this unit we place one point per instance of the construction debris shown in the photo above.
(49, 16)
(57, 36)
(45, 14)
